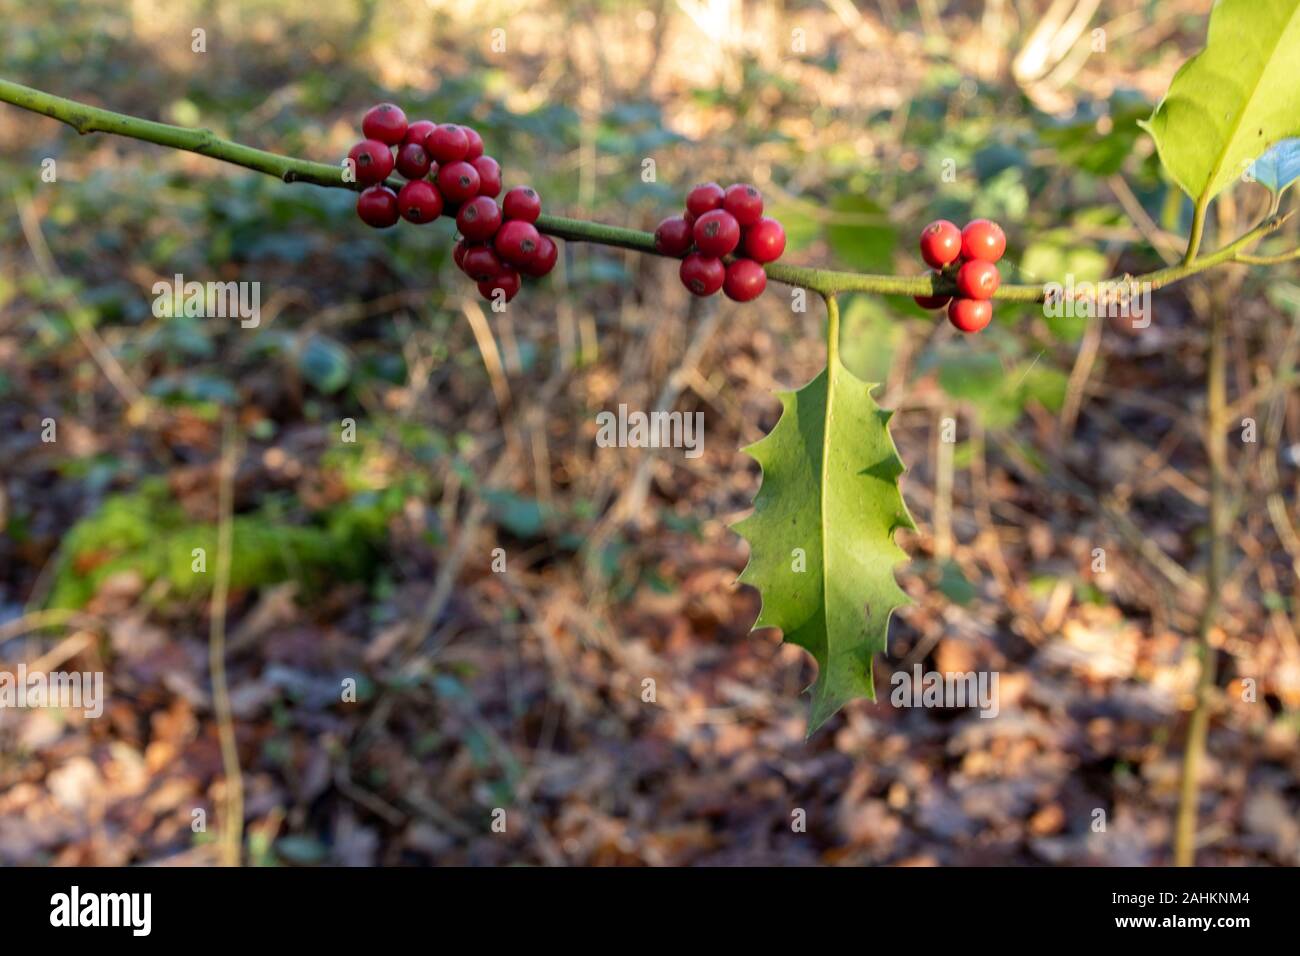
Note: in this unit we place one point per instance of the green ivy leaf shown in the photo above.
(1079, 142)
(325, 364)
(802, 229)
(1232, 101)
(821, 535)
(860, 234)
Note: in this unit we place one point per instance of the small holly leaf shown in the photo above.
(1279, 167)
(1232, 101)
(821, 535)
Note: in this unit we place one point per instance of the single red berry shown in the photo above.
(458, 181)
(385, 122)
(481, 262)
(543, 259)
(716, 233)
(479, 219)
(413, 161)
(703, 198)
(522, 202)
(419, 201)
(673, 237)
(765, 240)
(703, 275)
(517, 241)
(489, 176)
(978, 279)
(932, 301)
(447, 143)
(475, 143)
(983, 239)
(377, 206)
(507, 280)
(418, 132)
(970, 315)
(458, 253)
(745, 280)
(744, 202)
(372, 161)
(940, 243)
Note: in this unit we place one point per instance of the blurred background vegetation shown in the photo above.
(475, 431)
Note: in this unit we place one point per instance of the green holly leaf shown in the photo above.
(821, 535)
(1232, 101)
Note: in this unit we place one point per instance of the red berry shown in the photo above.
(418, 132)
(978, 279)
(475, 143)
(970, 315)
(983, 239)
(489, 176)
(458, 181)
(412, 161)
(673, 237)
(765, 240)
(507, 280)
(543, 259)
(419, 201)
(744, 202)
(940, 243)
(517, 241)
(377, 206)
(481, 262)
(703, 198)
(932, 301)
(522, 202)
(372, 161)
(447, 143)
(745, 280)
(479, 219)
(458, 253)
(703, 275)
(716, 233)
(385, 122)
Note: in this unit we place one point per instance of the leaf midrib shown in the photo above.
(831, 375)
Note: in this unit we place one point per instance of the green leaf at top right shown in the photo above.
(1232, 101)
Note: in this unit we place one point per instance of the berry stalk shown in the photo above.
(91, 119)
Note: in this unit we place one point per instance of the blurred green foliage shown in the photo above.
(147, 533)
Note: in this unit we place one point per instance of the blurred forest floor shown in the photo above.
(1060, 536)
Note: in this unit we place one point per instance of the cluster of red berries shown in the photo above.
(717, 223)
(448, 174)
(968, 255)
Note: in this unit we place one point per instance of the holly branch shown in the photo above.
(86, 119)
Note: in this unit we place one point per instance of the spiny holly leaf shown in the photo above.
(821, 535)
(1234, 99)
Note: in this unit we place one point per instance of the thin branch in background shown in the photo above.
(232, 818)
(1079, 374)
(943, 473)
(138, 407)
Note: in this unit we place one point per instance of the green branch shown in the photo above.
(91, 119)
